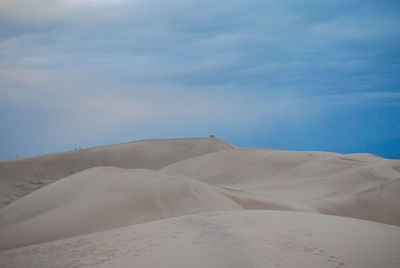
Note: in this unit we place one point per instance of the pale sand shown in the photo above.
(169, 178)
(21, 176)
(359, 185)
(103, 198)
(224, 239)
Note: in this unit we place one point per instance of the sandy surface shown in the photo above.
(199, 203)
(21, 176)
(357, 185)
(102, 198)
(224, 239)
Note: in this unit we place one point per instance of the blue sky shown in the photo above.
(296, 75)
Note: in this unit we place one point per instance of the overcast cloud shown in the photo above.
(302, 75)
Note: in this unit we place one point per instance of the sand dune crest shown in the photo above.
(19, 177)
(103, 198)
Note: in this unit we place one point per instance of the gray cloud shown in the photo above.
(96, 66)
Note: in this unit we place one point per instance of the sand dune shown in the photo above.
(22, 176)
(224, 239)
(103, 198)
(360, 185)
(117, 206)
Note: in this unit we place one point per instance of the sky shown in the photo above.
(293, 75)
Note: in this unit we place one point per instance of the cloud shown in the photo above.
(44, 11)
(102, 67)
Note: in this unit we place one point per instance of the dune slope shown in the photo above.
(22, 176)
(224, 239)
(199, 203)
(103, 198)
(359, 185)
